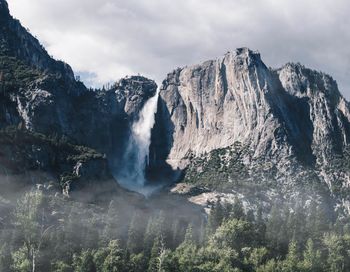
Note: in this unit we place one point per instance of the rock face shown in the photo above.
(18, 42)
(290, 117)
(41, 95)
(104, 117)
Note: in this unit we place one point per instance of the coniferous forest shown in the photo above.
(43, 231)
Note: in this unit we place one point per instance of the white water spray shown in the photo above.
(136, 158)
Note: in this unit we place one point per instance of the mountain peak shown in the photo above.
(245, 51)
(244, 58)
(299, 80)
(136, 83)
(16, 41)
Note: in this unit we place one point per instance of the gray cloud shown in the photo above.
(108, 39)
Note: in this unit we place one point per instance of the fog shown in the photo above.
(131, 174)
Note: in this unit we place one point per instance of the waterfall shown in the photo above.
(136, 158)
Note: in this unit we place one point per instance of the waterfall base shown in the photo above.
(131, 173)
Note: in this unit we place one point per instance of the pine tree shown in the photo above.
(322, 221)
(112, 230)
(157, 254)
(336, 252)
(216, 217)
(156, 227)
(227, 210)
(274, 233)
(312, 258)
(114, 261)
(186, 255)
(90, 235)
(201, 238)
(21, 261)
(61, 266)
(234, 234)
(149, 236)
(135, 237)
(237, 209)
(189, 235)
(260, 228)
(30, 218)
(296, 225)
(100, 257)
(177, 234)
(85, 262)
(138, 263)
(291, 263)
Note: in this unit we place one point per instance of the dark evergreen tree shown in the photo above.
(216, 217)
(158, 249)
(312, 258)
(292, 261)
(274, 231)
(85, 262)
(114, 261)
(135, 235)
(112, 230)
(237, 209)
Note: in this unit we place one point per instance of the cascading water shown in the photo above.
(132, 173)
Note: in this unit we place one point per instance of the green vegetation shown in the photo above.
(224, 170)
(220, 169)
(35, 151)
(20, 137)
(50, 233)
(340, 165)
(15, 74)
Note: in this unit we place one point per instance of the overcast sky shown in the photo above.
(104, 40)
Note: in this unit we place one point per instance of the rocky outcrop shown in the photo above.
(290, 117)
(17, 42)
(328, 111)
(41, 95)
(104, 118)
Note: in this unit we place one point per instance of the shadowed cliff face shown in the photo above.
(41, 100)
(17, 42)
(42, 94)
(291, 116)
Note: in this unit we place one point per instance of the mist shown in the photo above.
(136, 158)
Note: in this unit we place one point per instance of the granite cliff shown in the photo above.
(282, 125)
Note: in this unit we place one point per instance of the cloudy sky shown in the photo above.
(104, 40)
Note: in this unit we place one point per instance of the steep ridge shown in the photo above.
(17, 42)
(293, 119)
(43, 94)
(45, 107)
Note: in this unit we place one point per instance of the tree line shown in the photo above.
(45, 232)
